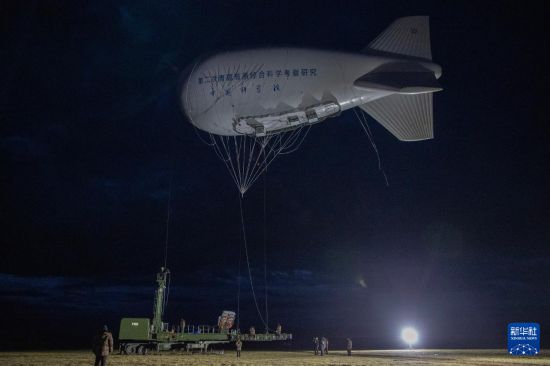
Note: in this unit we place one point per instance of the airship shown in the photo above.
(266, 91)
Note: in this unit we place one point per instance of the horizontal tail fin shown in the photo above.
(408, 36)
(403, 83)
(400, 77)
(407, 117)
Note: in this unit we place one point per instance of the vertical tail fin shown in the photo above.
(408, 36)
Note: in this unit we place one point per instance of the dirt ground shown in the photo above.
(301, 358)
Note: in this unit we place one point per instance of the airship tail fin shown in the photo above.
(408, 117)
(408, 36)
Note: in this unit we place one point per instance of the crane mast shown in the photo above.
(158, 307)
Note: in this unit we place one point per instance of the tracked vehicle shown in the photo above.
(141, 335)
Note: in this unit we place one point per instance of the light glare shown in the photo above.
(409, 336)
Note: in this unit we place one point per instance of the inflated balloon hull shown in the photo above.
(255, 103)
(263, 91)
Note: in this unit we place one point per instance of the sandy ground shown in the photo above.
(374, 358)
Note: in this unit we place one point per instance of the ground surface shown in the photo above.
(374, 358)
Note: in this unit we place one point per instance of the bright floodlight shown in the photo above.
(409, 335)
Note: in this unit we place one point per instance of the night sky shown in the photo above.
(91, 135)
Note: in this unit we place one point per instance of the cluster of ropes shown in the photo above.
(247, 156)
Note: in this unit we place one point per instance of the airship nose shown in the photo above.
(183, 88)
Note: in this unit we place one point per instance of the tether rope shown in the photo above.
(265, 251)
(364, 123)
(248, 262)
(239, 292)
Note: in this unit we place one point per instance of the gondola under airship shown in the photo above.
(260, 95)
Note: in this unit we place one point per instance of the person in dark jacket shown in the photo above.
(103, 346)
(349, 346)
(316, 345)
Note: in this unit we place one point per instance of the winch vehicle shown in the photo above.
(141, 335)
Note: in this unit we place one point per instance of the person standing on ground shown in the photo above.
(239, 345)
(103, 346)
(182, 325)
(323, 346)
(316, 345)
(349, 346)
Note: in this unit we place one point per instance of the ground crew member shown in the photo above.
(316, 345)
(182, 325)
(239, 345)
(103, 346)
(323, 346)
(349, 346)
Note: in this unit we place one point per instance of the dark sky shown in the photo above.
(91, 134)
